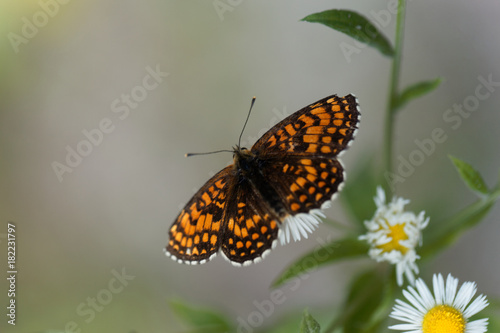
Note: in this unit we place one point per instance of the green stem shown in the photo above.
(393, 90)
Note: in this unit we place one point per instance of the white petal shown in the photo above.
(464, 295)
(477, 326)
(439, 289)
(415, 299)
(402, 327)
(380, 198)
(451, 289)
(425, 294)
(477, 305)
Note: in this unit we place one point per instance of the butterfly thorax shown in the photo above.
(244, 160)
(247, 163)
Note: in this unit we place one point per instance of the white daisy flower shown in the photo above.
(444, 312)
(394, 234)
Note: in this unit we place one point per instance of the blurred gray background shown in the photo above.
(113, 210)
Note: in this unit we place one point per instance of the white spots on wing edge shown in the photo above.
(187, 262)
(253, 261)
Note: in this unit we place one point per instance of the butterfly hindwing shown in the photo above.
(251, 225)
(304, 183)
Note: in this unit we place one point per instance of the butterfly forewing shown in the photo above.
(196, 233)
(322, 128)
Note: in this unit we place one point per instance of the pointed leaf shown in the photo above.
(447, 232)
(309, 324)
(470, 176)
(443, 234)
(416, 90)
(322, 255)
(355, 26)
(202, 320)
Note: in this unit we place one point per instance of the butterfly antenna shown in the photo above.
(246, 121)
(239, 140)
(210, 152)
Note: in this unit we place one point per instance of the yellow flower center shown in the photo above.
(443, 319)
(397, 234)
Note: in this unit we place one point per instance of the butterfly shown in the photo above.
(275, 190)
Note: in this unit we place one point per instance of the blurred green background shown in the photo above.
(112, 212)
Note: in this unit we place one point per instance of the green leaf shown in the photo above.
(355, 26)
(492, 312)
(309, 324)
(322, 255)
(365, 310)
(364, 297)
(494, 323)
(416, 90)
(359, 190)
(447, 232)
(202, 320)
(470, 176)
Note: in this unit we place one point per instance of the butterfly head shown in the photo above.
(237, 150)
(240, 156)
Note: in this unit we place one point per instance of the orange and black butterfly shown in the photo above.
(273, 190)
